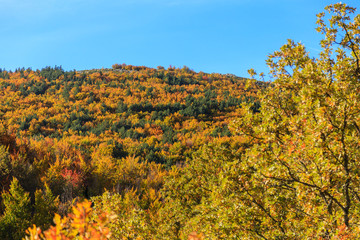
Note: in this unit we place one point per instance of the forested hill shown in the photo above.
(141, 153)
(75, 134)
(157, 115)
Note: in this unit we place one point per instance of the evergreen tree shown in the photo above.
(46, 205)
(17, 214)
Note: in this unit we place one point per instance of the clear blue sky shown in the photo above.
(225, 36)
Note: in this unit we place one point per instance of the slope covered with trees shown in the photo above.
(174, 154)
(77, 134)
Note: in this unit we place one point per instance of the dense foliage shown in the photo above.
(174, 154)
(295, 173)
(77, 134)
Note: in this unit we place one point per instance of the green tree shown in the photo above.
(17, 214)
(307, 132)
(45, 207)
(200, 198)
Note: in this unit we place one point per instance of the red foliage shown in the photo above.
(71, 177)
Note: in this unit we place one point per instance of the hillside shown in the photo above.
(140, 153)
(78, 133)
(153, 114)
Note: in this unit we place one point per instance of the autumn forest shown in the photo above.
(132, 152)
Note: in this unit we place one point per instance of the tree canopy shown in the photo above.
(297, 175)
(285, 167)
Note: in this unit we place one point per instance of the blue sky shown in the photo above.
(224, 36)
